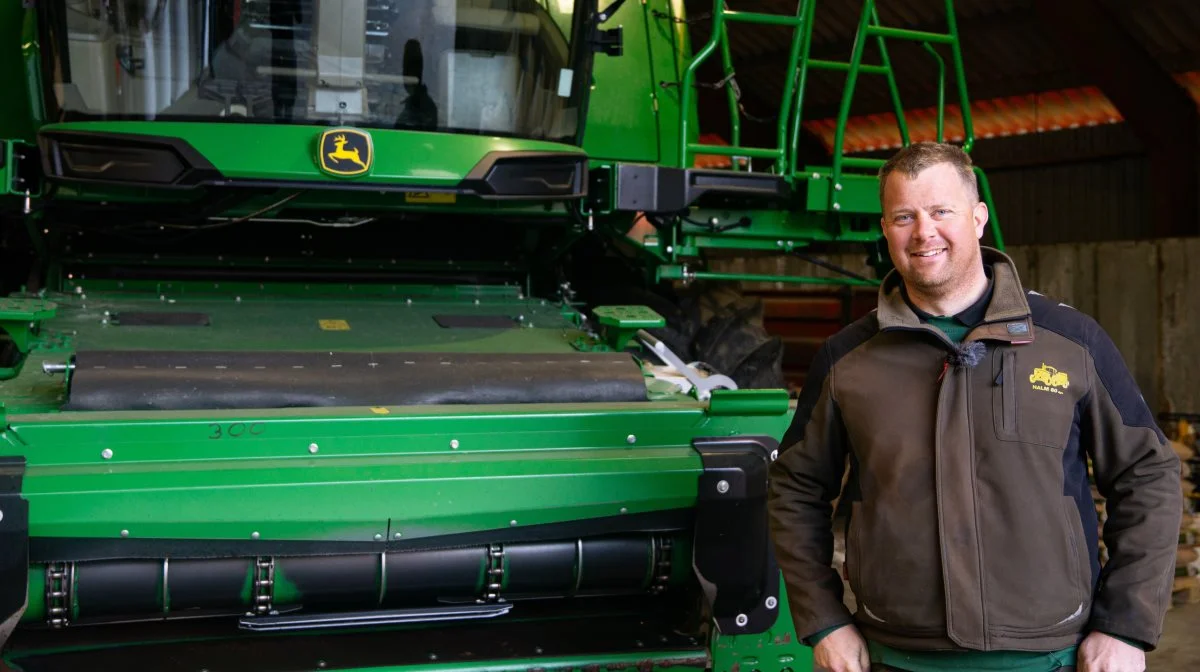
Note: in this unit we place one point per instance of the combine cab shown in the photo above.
(324, 343)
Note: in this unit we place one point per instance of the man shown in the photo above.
(966, 409)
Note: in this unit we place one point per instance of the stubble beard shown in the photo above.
(945, 283)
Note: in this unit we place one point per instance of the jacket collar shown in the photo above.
(1007, 317)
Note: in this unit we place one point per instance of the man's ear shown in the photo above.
(980, 214)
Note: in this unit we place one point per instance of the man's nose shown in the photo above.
(925, 226)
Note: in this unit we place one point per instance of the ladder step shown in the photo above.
(843, 67)
(729, 150)
(759, 17)
(914, 35)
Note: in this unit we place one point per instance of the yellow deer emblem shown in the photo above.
(345, 152)
(342, 153)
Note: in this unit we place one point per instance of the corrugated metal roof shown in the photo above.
(1007, 51)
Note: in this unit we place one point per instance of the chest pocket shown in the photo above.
(1032, 401)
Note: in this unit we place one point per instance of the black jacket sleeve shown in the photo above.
(1137, 472)
(804, 480)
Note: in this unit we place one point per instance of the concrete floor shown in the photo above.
(1179, 648)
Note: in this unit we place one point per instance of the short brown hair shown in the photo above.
(918, 156)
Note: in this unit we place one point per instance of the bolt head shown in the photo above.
(722, 486)
(254, 535)
(454, 444)
(313, 448)
(742, 620)
(837, 206)
(631, 439)
(396, 535)
(106, 453)
(378, 537)
(772, 602)
(124, 533)
(512, 523)
(624, 510)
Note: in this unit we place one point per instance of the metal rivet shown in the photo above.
(742, 620)
(837, 206)
(378, 537)
(396, 535)
(631, 439)
(774, 455)
(837, 187)
(106, 453)
(772, 602)
(433, 656)
(512, 523)
(124, 533)
(313, 448)
(454, 444)
(537, 650)
(254, 535)
(624, 510)
(1, 515)
(722, 487)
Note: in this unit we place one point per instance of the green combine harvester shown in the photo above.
(325, 344)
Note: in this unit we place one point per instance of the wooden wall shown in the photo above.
(1146, 295)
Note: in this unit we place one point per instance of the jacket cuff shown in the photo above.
(1132, 642)
(1124, 634)
(812, 640)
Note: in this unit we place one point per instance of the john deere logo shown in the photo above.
(345, 152)
(1049, 379)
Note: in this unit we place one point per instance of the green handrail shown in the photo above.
(839, 136)
(789, 81)
(689, 79)
(893, 89)
(941, 106)
(807, 10)
(735, 118)
(960, 79)
(720, 38)
(986, 195)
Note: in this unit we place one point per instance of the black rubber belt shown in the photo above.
(174, 380)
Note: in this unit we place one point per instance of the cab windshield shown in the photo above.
(497, 67)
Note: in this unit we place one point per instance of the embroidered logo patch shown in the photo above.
(1048, 379)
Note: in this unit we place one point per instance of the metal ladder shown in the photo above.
(837, 188)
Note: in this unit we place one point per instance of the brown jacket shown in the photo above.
(972, 522)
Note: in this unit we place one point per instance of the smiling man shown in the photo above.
(966, 410)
